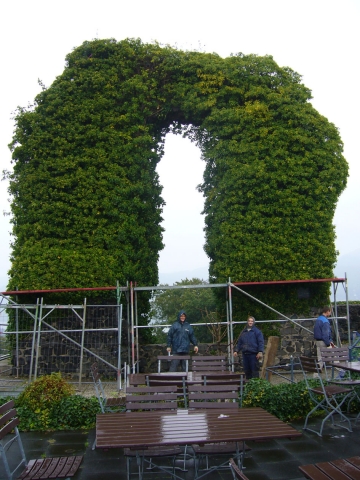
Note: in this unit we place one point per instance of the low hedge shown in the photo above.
(287, 401)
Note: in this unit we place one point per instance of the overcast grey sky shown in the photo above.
(317, 38)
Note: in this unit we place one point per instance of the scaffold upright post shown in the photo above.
(38, 339)
(34, 339)
(82, 343)
(119, 322)
(17, 337)
(132, 327)
(347, 309)
(137, 334)
(230, 328)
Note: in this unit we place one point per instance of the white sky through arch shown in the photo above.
(181, 170)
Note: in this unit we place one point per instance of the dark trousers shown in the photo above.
(174, 363)
(251, 365)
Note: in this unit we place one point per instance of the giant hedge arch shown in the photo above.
(86, 198)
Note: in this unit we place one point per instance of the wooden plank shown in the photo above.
(332, 471)
(348, 468)
(313, 473)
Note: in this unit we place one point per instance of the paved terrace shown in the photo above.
(270, 460)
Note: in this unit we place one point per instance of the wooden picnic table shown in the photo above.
(350, 366)
(341, 469)
(139, 430)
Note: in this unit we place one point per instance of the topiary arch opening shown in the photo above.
(86, 198)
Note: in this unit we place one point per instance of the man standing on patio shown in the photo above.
(251, 344)
(179, 337)
(322, 333)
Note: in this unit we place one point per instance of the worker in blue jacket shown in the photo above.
(251, 344)
(322, 332)
(179, 337)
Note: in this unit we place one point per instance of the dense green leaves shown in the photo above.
(86, 198)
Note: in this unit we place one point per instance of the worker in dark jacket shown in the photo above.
(179, 337)
(322, 333)
(251, 344)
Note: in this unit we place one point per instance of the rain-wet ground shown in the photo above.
(270, 460)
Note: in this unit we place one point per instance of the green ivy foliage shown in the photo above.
(86, 198)
(49, 403)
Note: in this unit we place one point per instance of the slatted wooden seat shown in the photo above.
(107, 404)
(151, 398)
(170, 358)
(214, 396)
(237, 473)
(348, 468)
(209, 363)
(226, 378)
(334, 355)
(178, 381)
(43, 468)
(224, 397)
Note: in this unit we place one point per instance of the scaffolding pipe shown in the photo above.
(33, 339)
(230, 329)
(17, 339)
(137, 336)
(132, 326)
(119, 348)
(38, 340)
(347, 309)
(82, 343)
(119, 322)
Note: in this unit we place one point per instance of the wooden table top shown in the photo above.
(352, 366)
(183, 427)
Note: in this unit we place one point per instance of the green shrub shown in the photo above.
(35, 403)
(75, 412)
(287, 401)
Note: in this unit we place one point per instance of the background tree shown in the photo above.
(198, 303)
(86, 198)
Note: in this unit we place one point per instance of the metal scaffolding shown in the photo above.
(38, 313)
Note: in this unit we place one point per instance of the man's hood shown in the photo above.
(180, 313)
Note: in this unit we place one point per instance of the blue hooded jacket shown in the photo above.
(180, 335)
(322, 330)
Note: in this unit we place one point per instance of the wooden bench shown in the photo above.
(225, 378)
(169, 358)
(342, 468)
(175, 380)
(209, 363)
(214, 396)
(223, 397)
(42, 468)
(151, 398)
